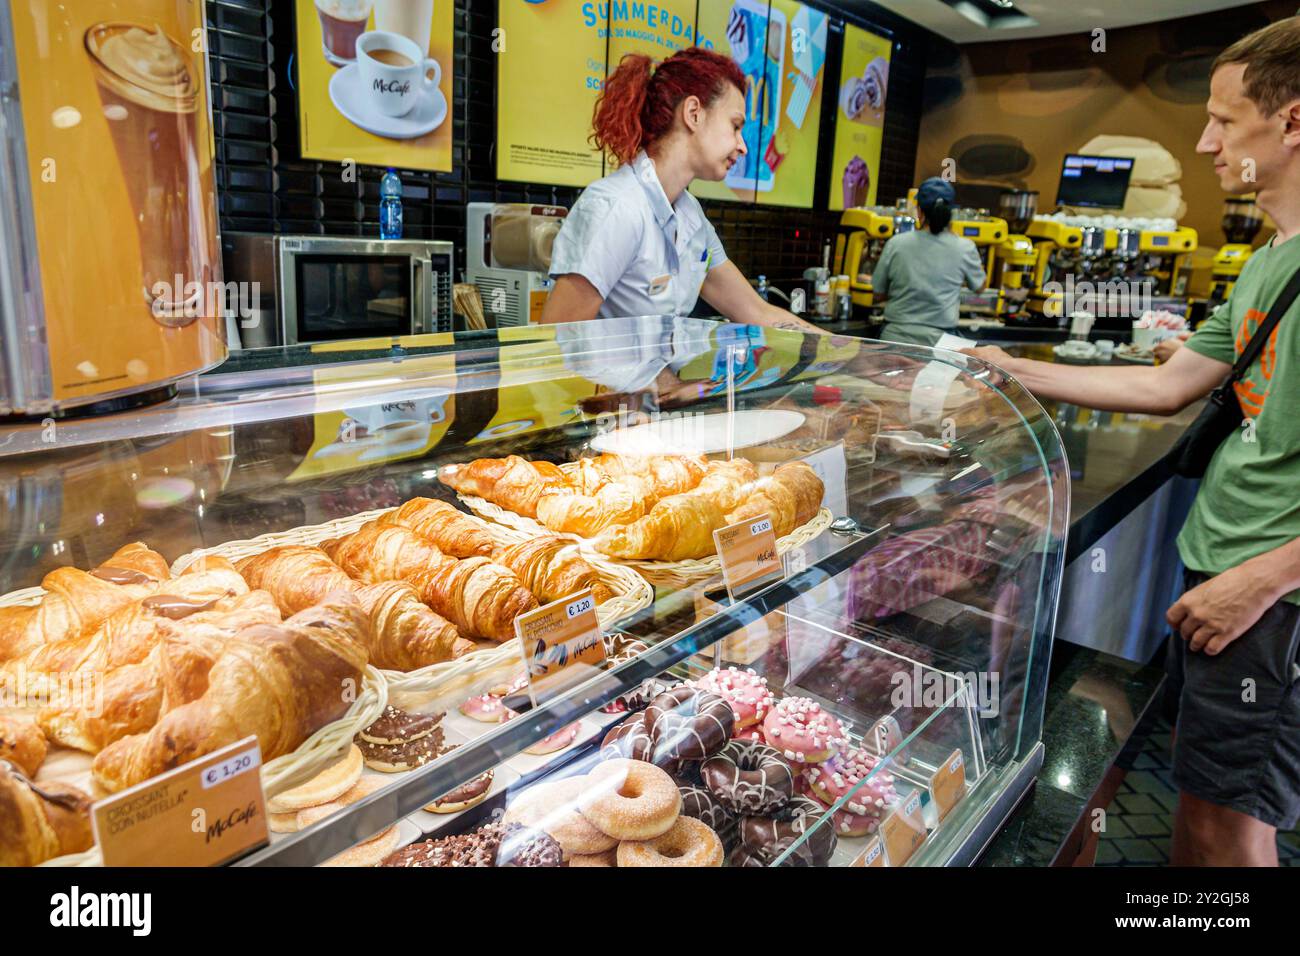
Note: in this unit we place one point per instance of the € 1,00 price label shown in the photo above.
(206, 812)
(748, 553)
(562, 644)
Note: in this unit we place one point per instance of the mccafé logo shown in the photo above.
(233, 819)
(401, 89)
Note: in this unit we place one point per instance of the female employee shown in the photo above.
(920, 274)
(636, 242)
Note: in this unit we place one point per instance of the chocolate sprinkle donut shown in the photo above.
(768, 837)
(688, 724)
(705, 807)
(396, 726)
(392, 758)
(749, 778)
(497, 844)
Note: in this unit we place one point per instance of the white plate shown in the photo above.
(425, 117)
(701, 434)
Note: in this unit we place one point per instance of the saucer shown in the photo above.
(346, 94)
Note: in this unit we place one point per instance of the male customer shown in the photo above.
(1237, 745)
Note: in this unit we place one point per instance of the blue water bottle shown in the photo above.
(390, 206)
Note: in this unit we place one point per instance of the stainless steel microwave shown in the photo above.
(332, 288)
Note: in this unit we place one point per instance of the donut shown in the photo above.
(630, 800)
(463, 797)
(699, 803)
(688, 772)
(497, 844)
(745, 691)
(749, 778)
(845, 773)
(628, 739)
(688, 842)
(753, 732)
(396, 726)
(555, 742)
(639, 697)
(552, 807)
(803, 731)
(769, 837)
(394, 758)
(516, 685)
(608, 858)
(743, 856)
(688, 724)
(489, 709)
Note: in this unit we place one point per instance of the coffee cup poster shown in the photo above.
(117, 139)
(859, 119)
(375, 81)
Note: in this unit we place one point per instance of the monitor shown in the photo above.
(1097, 181)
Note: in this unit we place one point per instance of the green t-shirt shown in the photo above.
(1249, 501)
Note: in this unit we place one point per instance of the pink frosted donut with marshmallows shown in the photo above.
(487, 708)
(745, 691)
(803, 731)
(754, 733)
(863, 811)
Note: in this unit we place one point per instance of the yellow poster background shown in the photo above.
(101, 335)
(860, 136)
(325, 133)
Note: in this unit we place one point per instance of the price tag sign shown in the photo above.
(748, 553)
(872, 855)
(948, 784)
(903, 830)
(562, 644)
(204, 813)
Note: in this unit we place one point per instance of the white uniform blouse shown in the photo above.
(644, 256)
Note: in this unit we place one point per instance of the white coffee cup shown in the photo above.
(395, 73)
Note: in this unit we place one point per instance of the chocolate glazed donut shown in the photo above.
(628, 739)
(749, 778)
(766, 838)
(688, 724)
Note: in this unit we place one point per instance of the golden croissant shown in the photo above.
(22, 743)
(677, 528)
(41, 821)
(452, 531)
(667, 474)
(404, 633)
(297, 576)
(378, 552)
(616, 502)
(480, 597)
(727, 482)
(792, 496)
(78, 601)
(280, 682)
(513, 483)
(551, 569)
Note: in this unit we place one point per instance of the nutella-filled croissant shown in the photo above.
(552, 569)
(404, 633)
(40, 821)
(377, 552)
(297, 576)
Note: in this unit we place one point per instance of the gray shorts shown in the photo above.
(1238, 738)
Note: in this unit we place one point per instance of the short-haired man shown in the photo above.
(1237, 646)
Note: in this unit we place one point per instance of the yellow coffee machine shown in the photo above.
(1242, 221)
(862, 235)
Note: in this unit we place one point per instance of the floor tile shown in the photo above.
(1138, 851)
(1107, 854)
(1138, 803)
(1146, 824)
(1144, 781)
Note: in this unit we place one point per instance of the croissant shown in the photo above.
(616, 502)
(404, 633)
(677, 528)
(453, 532)
(668, 474)
(791, 496)
(513, 483)
(78, 601)
(281, 682)
(551, 569)
(378, 552)
(41, 821)
(481, 598)
(126, 636)
(296, 575)
(727, 482)
(209, 562)
(22, 744)
(129, 699)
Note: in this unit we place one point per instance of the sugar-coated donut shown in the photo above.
(699, 803)
(552, 807)
(744, 690)
(803, 731)
(688, 724)
(688, 842)
(769, 837)
(630, 799)
(845, 773)
(608, 858)
(749, 778)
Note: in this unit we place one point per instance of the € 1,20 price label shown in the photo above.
(748, 553)
(948, 784)
(203, 813)
(903, 830)
(562, 643)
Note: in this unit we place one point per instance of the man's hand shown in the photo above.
(1164, 349)
(1212, 615)
(991, 354)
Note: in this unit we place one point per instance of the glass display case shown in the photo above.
(896, 663)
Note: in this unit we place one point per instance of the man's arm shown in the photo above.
(728, 291)
(573, 299)
(1214, 614)
(1162, 390)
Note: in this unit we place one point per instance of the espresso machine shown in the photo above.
(861, 238)
(1242, 221)
(508, 258)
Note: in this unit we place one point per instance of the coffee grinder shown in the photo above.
(1242, 221)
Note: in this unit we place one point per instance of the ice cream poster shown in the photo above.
(374, 81)
(782, 51)
(859, 118)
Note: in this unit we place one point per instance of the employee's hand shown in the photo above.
(991, 354)
(1164, 349)
(1212, 615)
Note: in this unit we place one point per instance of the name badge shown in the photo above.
(659, 284)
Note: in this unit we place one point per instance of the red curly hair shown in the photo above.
(639, 101)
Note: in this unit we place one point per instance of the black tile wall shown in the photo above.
(266, 186)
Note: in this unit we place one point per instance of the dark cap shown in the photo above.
(932, 190)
